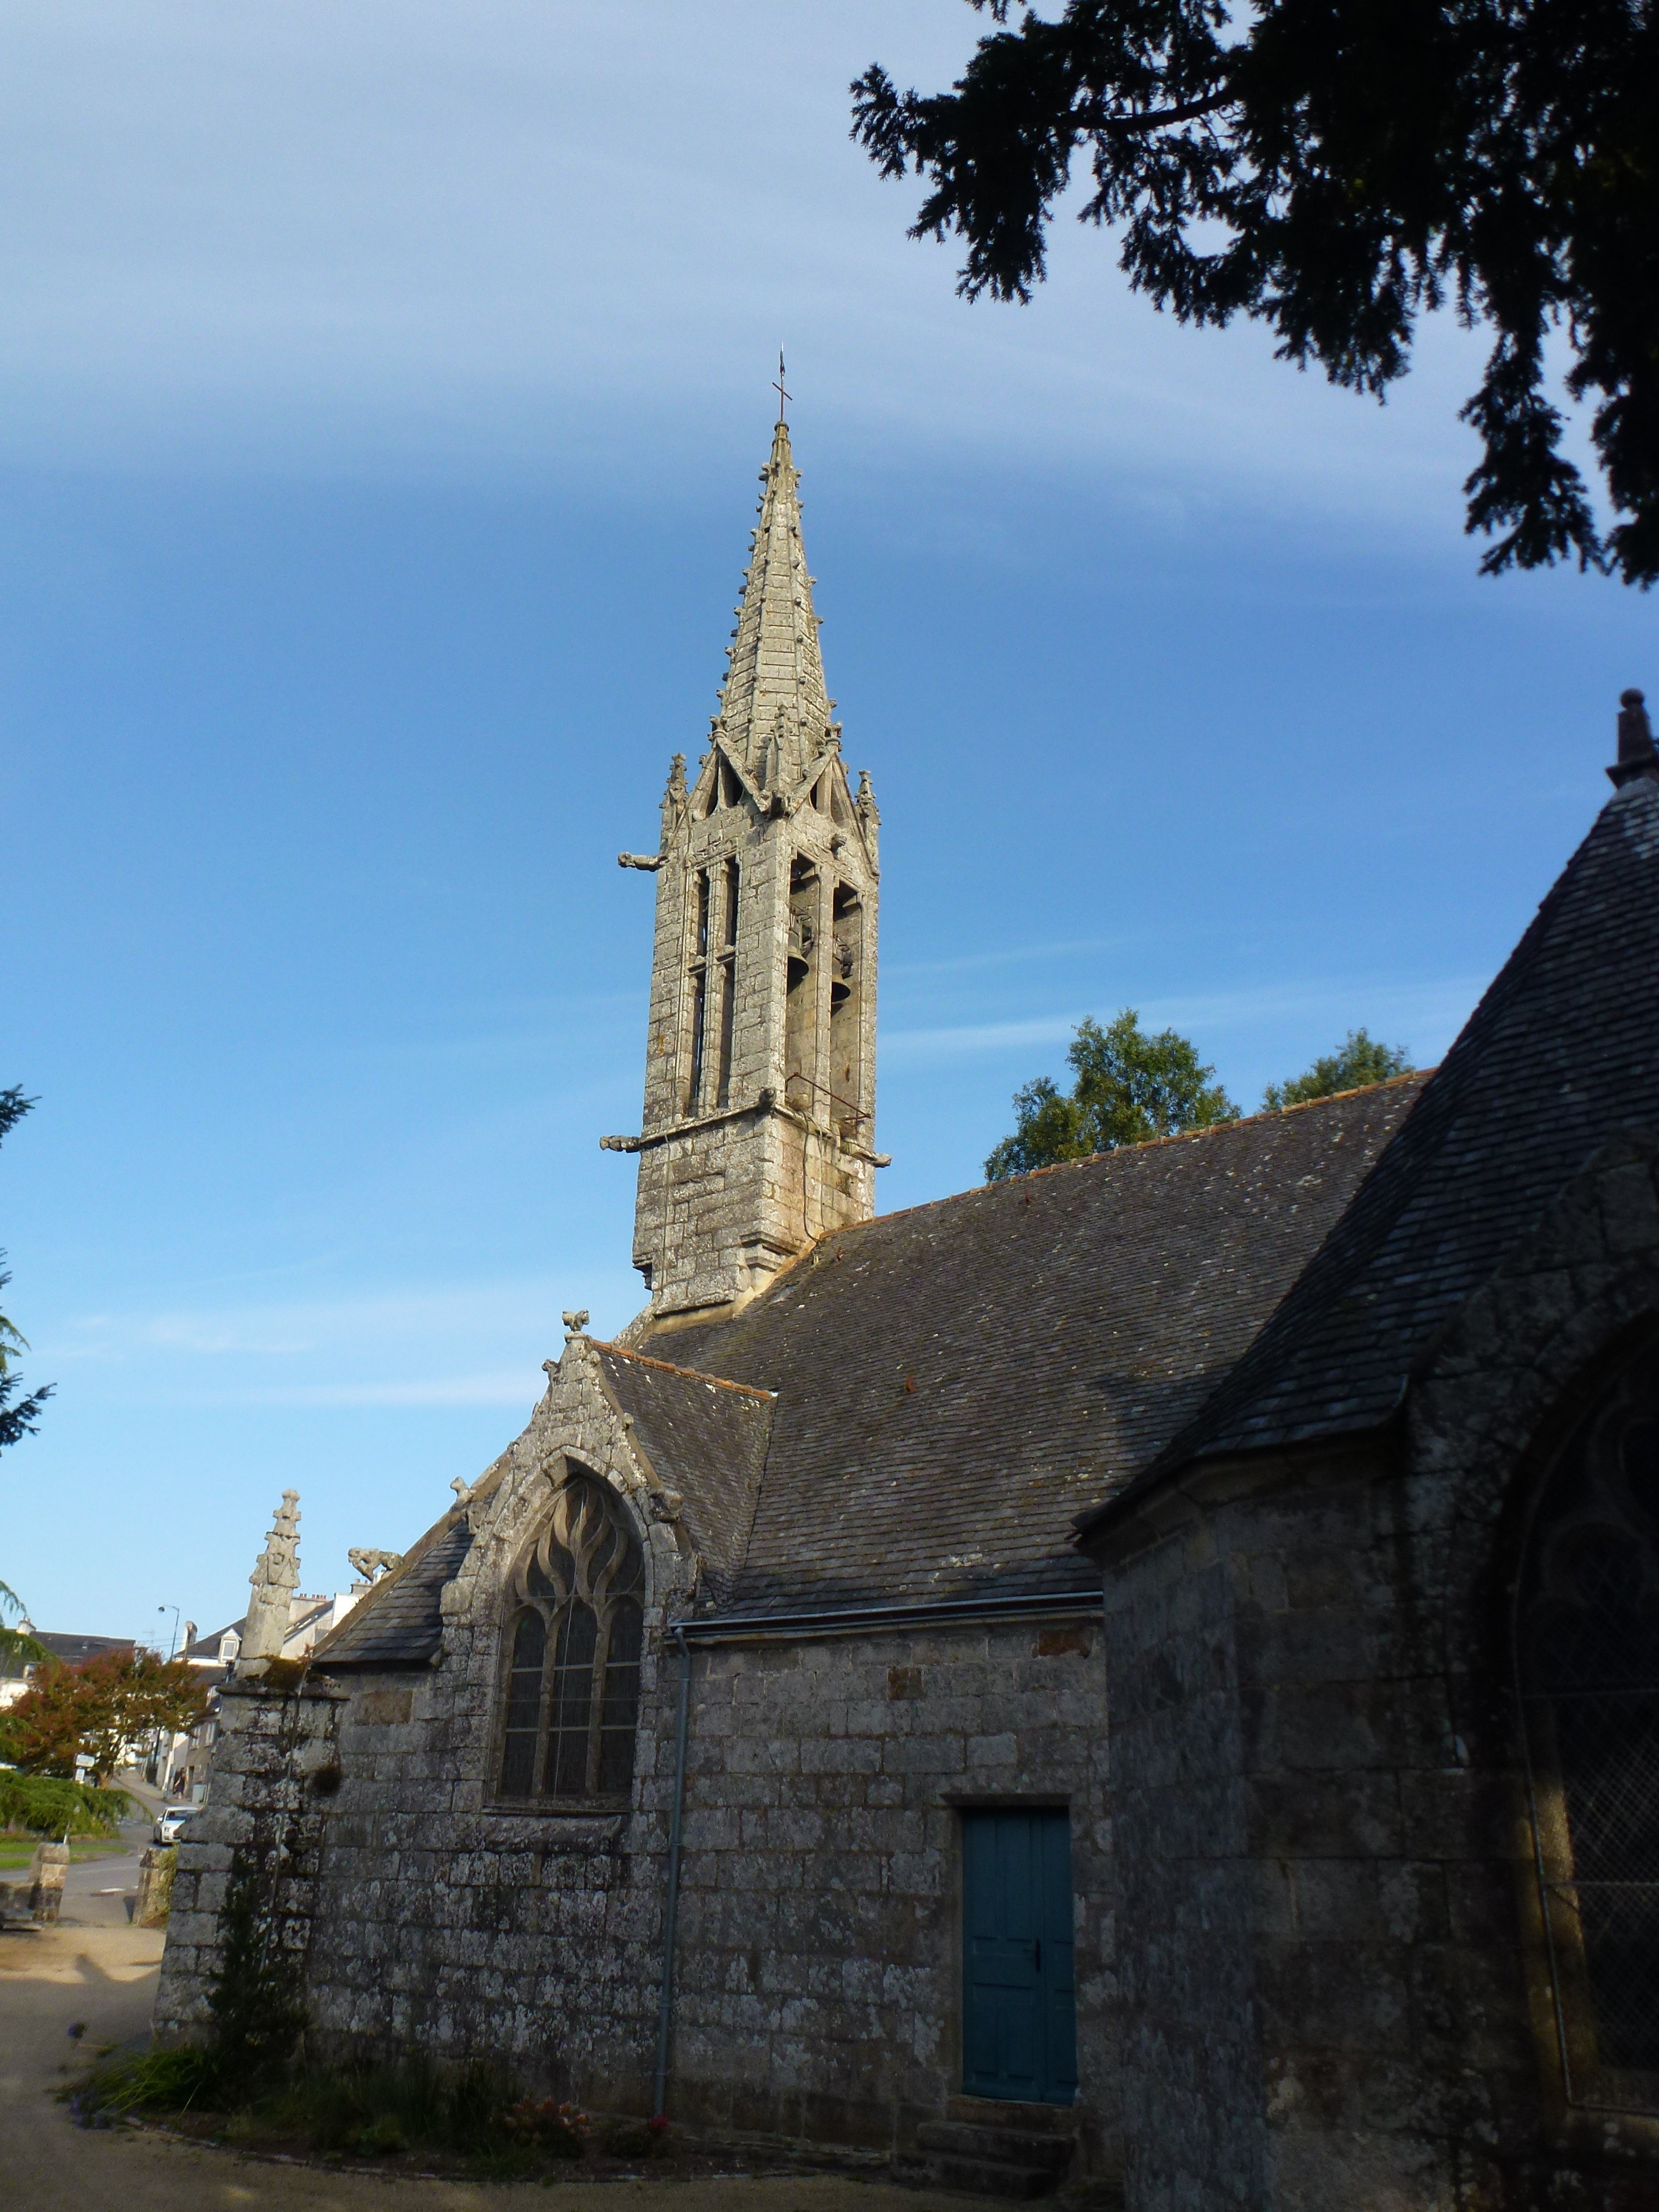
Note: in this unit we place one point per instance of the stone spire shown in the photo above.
(760, 1074)
(274, 1579)
(775, 716)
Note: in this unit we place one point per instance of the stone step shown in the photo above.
(991, 2178)
(1004, 2113)
(981, 2141)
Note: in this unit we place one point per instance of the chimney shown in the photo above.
(1637, 754)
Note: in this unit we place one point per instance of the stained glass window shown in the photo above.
(572, 1688)
(1587, 1658)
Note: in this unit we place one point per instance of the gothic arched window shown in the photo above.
(1587, 1662)
(574, 1634)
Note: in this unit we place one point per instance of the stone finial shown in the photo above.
(577, 1321)
(1637, 754)
(869, 815)
(273, 1581)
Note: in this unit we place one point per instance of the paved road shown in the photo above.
(93, 1968)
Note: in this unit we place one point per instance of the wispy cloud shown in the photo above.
(510, 1387)
(470, 1344)
(300, 1328)
(1010, 956)
(356, 231)
(968, 1039)
(1429, 1012)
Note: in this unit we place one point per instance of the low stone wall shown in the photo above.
(40, 1898)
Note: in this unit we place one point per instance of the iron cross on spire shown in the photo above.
(778, 386)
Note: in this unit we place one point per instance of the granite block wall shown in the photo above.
(276, 1765)
(1335, 1991)
(818, 1955)
(817, 1987)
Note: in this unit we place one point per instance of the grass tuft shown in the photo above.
(175, 2080)
(477, 2114)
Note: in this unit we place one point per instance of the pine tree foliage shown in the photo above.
(1128, 1087)
(18, 1416)
(1335, 169)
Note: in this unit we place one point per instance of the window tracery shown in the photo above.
(1587, 1662)
(574, 1637)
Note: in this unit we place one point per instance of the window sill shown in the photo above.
(584, 1826)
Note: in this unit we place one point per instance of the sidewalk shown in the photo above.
(92, 1967)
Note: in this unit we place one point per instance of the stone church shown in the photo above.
(1143, 1677)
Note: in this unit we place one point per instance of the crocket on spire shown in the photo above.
(775, 688)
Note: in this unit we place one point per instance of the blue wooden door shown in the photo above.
(1019, 2025)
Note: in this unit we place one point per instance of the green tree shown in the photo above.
(98, 1709)
(1335, 169)
(16, 1644)
(19, 1418)
(1358, 1060)
(1129, 1087)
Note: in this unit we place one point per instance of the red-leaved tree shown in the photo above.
(100, 1708)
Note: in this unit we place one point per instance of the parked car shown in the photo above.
(171, 1825)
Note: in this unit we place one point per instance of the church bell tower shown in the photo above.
(760, 1075)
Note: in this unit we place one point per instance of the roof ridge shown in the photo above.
(692, 1374)
(1117, 1151)
(1535, 1016)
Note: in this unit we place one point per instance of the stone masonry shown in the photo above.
(1353, 1409)
(1338, 1995)
(760, 1061)
(442, 1924)
(818, 1958)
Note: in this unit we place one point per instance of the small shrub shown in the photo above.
(545, 2124)
(371, 2110)
(474, 2101)
(42, 1805)
(621, 2138)
(148, 2082)
(478, 2113)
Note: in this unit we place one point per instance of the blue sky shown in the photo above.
(385, 386)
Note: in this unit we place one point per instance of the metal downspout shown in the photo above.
(671, 1910)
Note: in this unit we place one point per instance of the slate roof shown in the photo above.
(705, 1437)
(399, 1623)
(71, 1650)
(954, 1383)
(1562, 1049)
